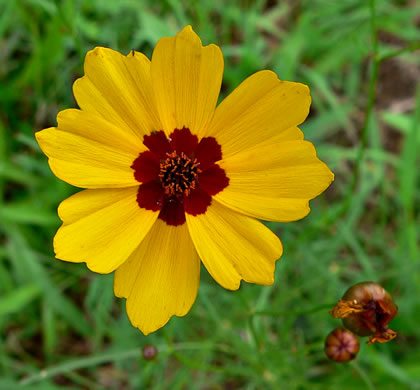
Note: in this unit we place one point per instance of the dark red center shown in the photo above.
(178, 174)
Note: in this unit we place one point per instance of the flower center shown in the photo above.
(178, 174)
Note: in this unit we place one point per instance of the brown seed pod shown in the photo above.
(366, 309)
(341, 345)
(149, 352)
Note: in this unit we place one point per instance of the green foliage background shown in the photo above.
(61, 326)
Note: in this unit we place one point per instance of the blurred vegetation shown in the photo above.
(60, 325)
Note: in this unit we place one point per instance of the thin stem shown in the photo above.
(395, 53)
(294, 312)
(363, 375)
(377, 60)
(254, 332)
(371, 101)
(3, 158)
(77, 364)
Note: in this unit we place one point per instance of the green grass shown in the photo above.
(60, 324)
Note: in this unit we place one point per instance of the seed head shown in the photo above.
(341, 345)
(366, 309)
(149, 352)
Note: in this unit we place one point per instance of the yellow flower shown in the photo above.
(171, 179)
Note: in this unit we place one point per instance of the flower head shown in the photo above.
(341, 345)
(366, 309)
(170, 179)
(149, 352)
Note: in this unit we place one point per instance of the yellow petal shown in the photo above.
(259, 109)
(87, 202)
(274, 182)
(234, 247)
(118, 88)
(101, 228)
(86, 163)
(290, 134)
(161, 277)
(186, 80)
(97, 128)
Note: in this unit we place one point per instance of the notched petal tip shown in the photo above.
(57, 244)
(118, 291)
(102, 270)
(188, 34)
(264, 75)
(329, 173)
(231, 287)
(92, 55)
(268, 76)
(269, 277)
(302, 89)
(188, 28)
(188, 31)
(268, 282)
(78, 86)
(144, 326)
(42, 137)
(100, 51)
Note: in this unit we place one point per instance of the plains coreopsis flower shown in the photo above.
(170, 179)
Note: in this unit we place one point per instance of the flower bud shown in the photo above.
(341, 345)
(366, 309)
(149, 352)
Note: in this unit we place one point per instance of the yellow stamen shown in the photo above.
(178, 174)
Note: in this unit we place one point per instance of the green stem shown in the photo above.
(377, 60)
(294, 312)
(254, 332)
(371, 101)
(363, 375)
(78, 364)
(395, 53)
(2, 157)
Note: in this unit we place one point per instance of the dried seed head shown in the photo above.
(341, 345)
(366, 309)
(149, 352)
